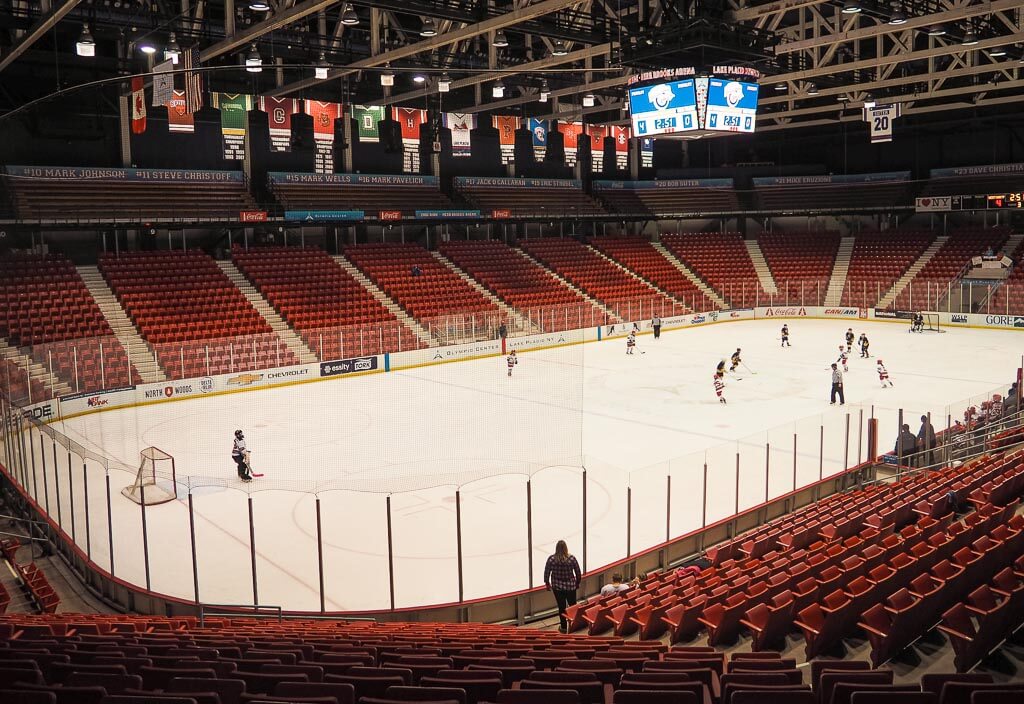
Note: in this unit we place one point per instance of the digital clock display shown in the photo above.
(732, 105)
(664, 108)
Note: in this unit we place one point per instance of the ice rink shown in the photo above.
(420, 434)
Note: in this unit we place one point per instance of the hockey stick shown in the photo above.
(748, 368)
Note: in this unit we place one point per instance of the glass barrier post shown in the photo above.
(529, 532)
(252, 553)
(181, 362)
(103, 374)
(846, 445)
(71, 496)
(668, 506)
(74, 360)
(458, 542)
(629, 520)
(821, 451)
(145, 532)
(192, 539)
(207, 350)
(794, 462)
(110, 523)
(391, 555)
(736, 509)
(767, 468)
(320, 555)
(584, 519)
(704, 498)
(46, 487)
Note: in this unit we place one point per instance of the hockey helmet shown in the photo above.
(238, 434)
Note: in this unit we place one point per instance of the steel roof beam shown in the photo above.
(41, 27)
(271, 24)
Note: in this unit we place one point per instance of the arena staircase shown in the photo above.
(36, 371)
(421, 332)
(565, 282)
(688, 273)
(521, 323)
(140, 354)
(764, 273)
(262, 305)
(840, 269)
(915, 268)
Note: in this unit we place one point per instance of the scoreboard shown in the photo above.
(664, 108)
(1003, 200)
(732, 105)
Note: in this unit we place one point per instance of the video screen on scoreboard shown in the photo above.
(664, 108)
(732, 105)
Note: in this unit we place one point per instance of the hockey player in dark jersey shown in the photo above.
(785, 336)
(735, 359)
(849, 339)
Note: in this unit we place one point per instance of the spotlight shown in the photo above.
(419, 78)
(843, 98)
(173, 51)
(996, 52)
(253, 62)
(498, 89)
(970, 38)
(86, 45)
(545, 91)
(781, 87)
(936, 30)
(444, 84)
(851, 7)
(147, 45)
(558, 48)
(259, 5)
(429, 28)
(812, 89)
(500, 40)
(588, 100)
(898, 16)
(322, 67)
(349, 17)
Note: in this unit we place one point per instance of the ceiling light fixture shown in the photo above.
(851, 7)
(419, 78)
(500, 40)
(253, 62)
(428, 28)
(588, 100)
(558, 48)
(322, 67)
(970, 38)
(997, 52)
(259, 5)
(545, 91)
(898, 16)
(936, 30)
(812, 89)
(781, 87)
(444, 83)
(498, 89)
(146, 45)
(387, 77)
(349, 17)
(173, 51)
(86, 45)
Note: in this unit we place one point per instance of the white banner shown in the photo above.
(163, 83)
(932, 204)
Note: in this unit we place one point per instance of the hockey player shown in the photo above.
(631, 342)
(864, 344)
(512, 361)
(720, 385)
(883, 374)
(849, 339)
(720, 369)
(785, 336)
(240, 454)
(842, 359)
(735, 359)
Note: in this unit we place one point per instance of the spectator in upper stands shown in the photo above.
(416, 271)
(906, 443)
(617, 585)
(925, 442)
(562, 576)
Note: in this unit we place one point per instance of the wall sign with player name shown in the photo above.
(670, 183)
(355, 179)
(509, 182)
(72, 173)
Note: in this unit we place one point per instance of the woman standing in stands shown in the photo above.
(562, 576)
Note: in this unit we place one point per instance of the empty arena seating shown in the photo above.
(532, 290)
(196, 319)
(832, 195)
(16, 385)
(801, 264)
(541, 201)
(107, 199)
(440, 299)
(722, 260)
(665, 198)
(65, 332)
(928, 290)
(878, 260)
(640, 256)
(335, 315)
(391, 194)
(622, 292)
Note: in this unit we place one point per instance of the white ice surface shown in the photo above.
(419, 434)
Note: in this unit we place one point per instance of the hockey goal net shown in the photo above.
(155, 482)
(931, 323)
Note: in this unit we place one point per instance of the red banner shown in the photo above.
(138, 106)
(391, 215)
(252, 216)
(501, 213)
